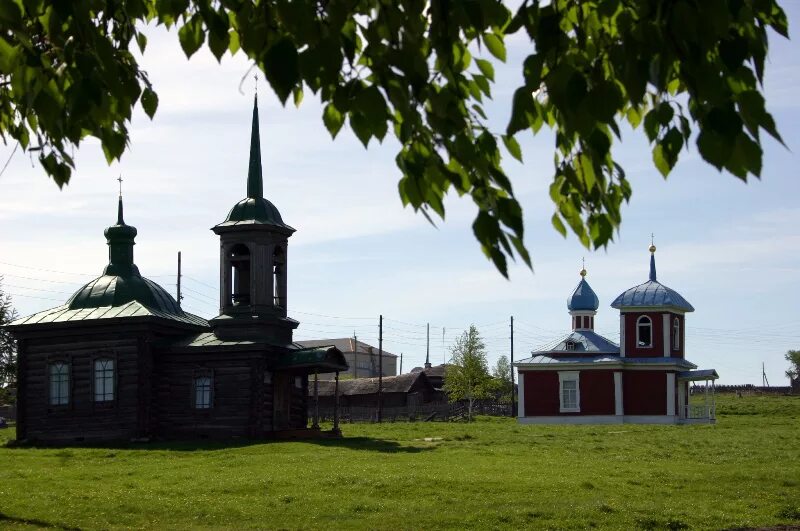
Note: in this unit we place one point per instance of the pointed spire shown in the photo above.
(652, 262)
(255, 186)
(120, 220)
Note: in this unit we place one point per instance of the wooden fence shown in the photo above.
(434, 411)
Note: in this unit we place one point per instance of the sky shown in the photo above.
(731, 248)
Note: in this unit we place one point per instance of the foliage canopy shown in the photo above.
(793, 372)
(8, 347)
(422, 70)
(467, 374)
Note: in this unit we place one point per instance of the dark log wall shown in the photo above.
(232, 396)
(82, 419)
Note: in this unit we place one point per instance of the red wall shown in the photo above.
(542, 393)
(631, 349)
(644, 392)
(597, 392)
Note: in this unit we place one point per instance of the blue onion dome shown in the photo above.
(584, 297)
(652, 294)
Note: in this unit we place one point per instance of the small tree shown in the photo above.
(467, 376)
(8, 347)
(502, 380)
(793, 373)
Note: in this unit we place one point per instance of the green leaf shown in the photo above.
(297, 94)
(513, 147)
(141, 40)
(281, 67)
(495, 45)
(219, 42)
(191, 35)
(486, 68)
(149, 102)
(558, 225)
(361, 127)
(332, 119)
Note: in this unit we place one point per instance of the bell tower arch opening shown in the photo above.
(239, 260)
(279, 277)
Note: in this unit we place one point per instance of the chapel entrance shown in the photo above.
(282, 400)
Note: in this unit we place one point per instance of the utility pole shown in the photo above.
(428, 348)
(401, 363)
(513, 391)
(179, 279)
(380, 369)
(764, 381)
(444, 351)
(355, 356)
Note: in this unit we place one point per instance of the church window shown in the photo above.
(569, 390)
(59, 384)
(240, 264)
(570, 345)
(203, 386)
(103, 380)
(676, 334)
(644, 331)
(278, 272)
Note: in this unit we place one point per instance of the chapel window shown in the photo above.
(240, 264)
(644, 331)
(569, 391)
(59, 384)
(203, 386)
(103, 380)
(570, 345)
(676, 334)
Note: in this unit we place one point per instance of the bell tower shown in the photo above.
(582, 305)
(253, 262)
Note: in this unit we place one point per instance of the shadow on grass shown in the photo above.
(369, 444)
(35, 522)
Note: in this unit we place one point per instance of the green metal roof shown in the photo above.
(132, 309)
(254, 209)
(120, 292)
(327, 359)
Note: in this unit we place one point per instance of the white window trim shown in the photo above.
(569, 376)
(638, 321)
(676, 337)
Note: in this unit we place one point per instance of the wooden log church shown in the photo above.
(121, 360)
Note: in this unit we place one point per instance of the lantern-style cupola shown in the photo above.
(583, 304)
(253, 261)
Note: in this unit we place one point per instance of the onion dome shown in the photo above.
(583, 298)
(121, 281)
(652, 294)
(255, 209)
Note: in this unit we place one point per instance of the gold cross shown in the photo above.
(120, 184)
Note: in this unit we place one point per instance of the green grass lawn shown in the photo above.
(493, 473)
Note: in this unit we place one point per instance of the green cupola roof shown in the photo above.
(255, 209)
(121, 282)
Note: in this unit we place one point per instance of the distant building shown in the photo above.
(363, 359)
(434, 373)
(410, 389)
(587, 379)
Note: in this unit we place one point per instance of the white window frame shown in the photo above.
(638, 324)
(203, 395)
(58, 377)
(676, 334)
(104, 374)
(569, 376)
